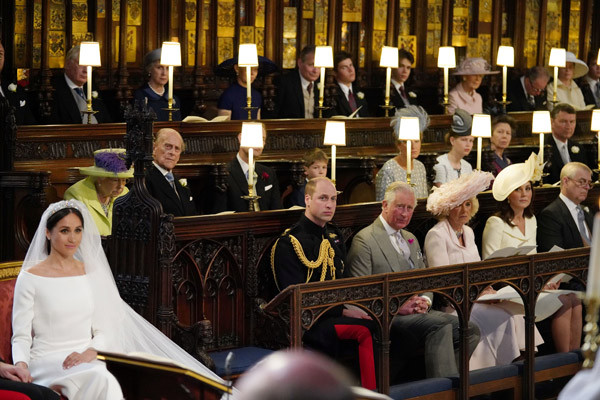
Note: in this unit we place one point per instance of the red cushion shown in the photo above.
(7, 289)
(10, 395)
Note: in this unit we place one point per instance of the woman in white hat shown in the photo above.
(464, 95)
(104, 183)
(394, 169)
(567, 90)
(515, 225)
(452, 241)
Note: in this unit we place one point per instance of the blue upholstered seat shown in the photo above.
(554, 360)
(420, 388)
(243, 359)
(493, 373)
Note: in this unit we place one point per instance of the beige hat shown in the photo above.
(108, 163)
(516, 175)
(474, 66)
(580, 67)
(453, 193)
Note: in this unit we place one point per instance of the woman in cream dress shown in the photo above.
(515, 226)
(451, 241)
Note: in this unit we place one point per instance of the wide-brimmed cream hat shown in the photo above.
(108, 163)
(453, 193)
(516, 175)
(474, 66)
(580, 67)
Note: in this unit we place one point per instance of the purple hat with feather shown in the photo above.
(108, 163)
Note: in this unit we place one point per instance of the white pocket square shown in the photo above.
(22, 103)
(268, 187)
(191, 198)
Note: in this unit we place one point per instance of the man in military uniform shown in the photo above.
(313, 250)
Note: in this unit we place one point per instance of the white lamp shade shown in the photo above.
(409, 128)
(558, 57)
(170, 54)
(596, 121)
(89, 54)
(389, 57)
(324, 57)
(335, 133)
(482, 126)
(247, 55)
(446, 57)
(506, 56)
(252, 135)
(541, 122)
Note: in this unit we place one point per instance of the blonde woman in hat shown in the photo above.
(567, 90)
(464, 95)
(452, 165)
(514, 225)
(154, 93)
(452, 241)
(394, 169)
(104, 183)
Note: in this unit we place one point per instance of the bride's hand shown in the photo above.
(76, 358)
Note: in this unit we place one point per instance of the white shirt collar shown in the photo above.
(346, 89)
(524, 88)
(305, 82)
(243, 164)
(71, 84)
(558, 142)
(397, 85)
(161, 169)
(569, 203)
(390, 231)
(590, 81)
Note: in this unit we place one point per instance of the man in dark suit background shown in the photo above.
(348, 98)
(590, 83)
(564, 150)
(266, 184)
(400, 95)
(70, 91)
(297, 91)
(528, 93)
(564, 222)
(162, 185)
(16, 96)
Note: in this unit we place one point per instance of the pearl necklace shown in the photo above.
(158, 94)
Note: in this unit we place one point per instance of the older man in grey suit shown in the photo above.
(384, 246)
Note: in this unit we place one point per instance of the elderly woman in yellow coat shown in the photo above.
(104, 183)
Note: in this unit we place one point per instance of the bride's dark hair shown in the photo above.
(57, 216)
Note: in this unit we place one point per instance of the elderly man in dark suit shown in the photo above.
(385, 246)
(297, 91)
(16, 96)
(528, 93)
(348, 97)
(590, 84)
(564, 149)
(266, 184)
(70, 91)
(564, 222)
(162, 185)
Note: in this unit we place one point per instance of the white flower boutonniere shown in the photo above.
(586, 209)
(183, 182)
(360, 95)
(574, 149)
(412, 94)
(12, 87)
(94, 95)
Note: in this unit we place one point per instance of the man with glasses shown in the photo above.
(564, 222)
(564, 149)
(528, 93)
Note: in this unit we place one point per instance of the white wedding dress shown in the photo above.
(64, 322)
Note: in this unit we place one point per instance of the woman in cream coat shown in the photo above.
(514, 226)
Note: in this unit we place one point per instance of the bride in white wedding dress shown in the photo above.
(67, 307)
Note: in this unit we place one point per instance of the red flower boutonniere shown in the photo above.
(410, 241)
(264, 176)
